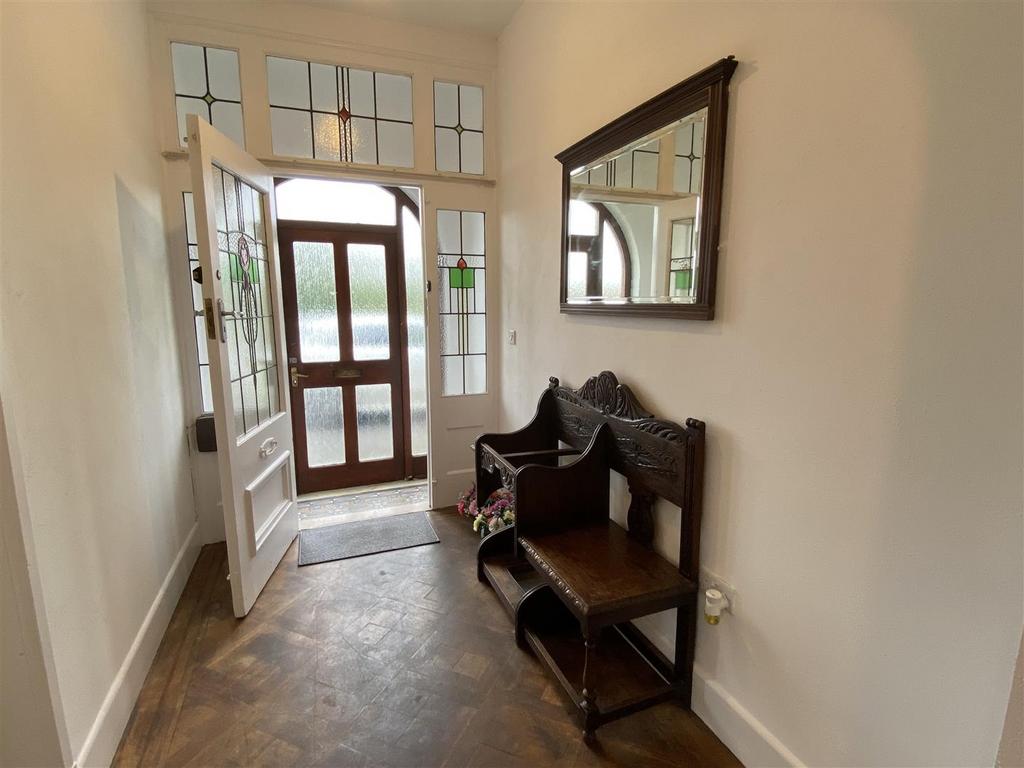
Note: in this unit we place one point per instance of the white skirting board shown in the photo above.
(738, 729)
(105, 734)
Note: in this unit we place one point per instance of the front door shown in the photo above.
(344, 301)
(244, 335)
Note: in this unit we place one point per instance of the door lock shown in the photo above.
(296, 376)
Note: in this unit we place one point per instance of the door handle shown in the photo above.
(222, 314)
(296, 376)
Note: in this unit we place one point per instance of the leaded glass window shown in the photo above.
(681, 259)
(459, 128)
(245, 273)
(206, 83)
(192, 247)
(636, 168)
(462, 300)
(326, 112)
(689, 156)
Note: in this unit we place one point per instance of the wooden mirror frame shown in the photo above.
(708, 88)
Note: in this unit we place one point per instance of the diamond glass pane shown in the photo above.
(207, 83)
(373, 422)
(325, 426)
(368, 290)
(317, 302)
(250, 340)
(463, 329)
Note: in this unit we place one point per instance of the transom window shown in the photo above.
(206, 83)
(327, 112)
(459, 128)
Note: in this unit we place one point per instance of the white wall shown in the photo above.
(91, 366)
(862, 380)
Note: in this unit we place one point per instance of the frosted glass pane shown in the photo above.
(446, 104)
(645, 170)
(394, 97)
(222, 66)
(415, 318)
(360, 90)
(695, 176)
(446, 149)
(250, 412)
(450, 334)
(288, 82)
(476, 374)
(624, 171)
(188, 106)
(472, 152)
(364, 140)
(189, 69)
(338, 201)
(367, 276)
(226, 117)
(612, 273)
(480, 290)
(471, 107)
(444, 303)
(394, 141)
(326, 137)
(291, 133)
(236, 400)
(207, 390)
(451, 376)
(582, 218)
(324, 86)
(325, 426)
(373, 422)
(472, 232)
(477, 335)
(577, 274)
(317, 302)
(698, 139)
(272, 382)
(449, 234)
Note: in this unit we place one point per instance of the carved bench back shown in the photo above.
(656, 456)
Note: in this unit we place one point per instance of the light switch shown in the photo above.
(512, 338)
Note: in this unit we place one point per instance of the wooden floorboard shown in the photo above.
(396, 659)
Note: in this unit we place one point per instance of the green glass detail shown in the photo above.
(684, 279)
(467, 278)
(455, 278)
(236, 270)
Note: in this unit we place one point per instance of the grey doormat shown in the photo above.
(365, 537)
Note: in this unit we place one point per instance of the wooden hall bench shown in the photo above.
(572, 579)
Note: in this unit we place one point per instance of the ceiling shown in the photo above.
(487, 17)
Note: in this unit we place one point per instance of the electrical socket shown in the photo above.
(711, 580)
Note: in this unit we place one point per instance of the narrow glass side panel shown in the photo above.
(317, 302)
(325, 426)
(461, 265)
(368, 289)
(373, 422)
(416, 322)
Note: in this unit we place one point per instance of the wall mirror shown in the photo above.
(641, 204)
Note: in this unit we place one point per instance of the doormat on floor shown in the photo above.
(365, 537)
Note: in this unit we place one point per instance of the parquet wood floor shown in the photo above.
(396, 659)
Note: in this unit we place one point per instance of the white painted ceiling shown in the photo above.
(487, 17)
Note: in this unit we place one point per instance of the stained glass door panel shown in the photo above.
(342, 317)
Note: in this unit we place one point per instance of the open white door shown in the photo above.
(237, 236)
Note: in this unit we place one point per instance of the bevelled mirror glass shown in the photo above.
(641, 202)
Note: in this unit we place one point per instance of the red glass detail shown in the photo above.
(344, 114)
(461, 263)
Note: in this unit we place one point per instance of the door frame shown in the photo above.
(352, 472)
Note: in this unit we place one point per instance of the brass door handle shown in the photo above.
(296, 376)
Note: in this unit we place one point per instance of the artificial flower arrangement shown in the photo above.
(498, 512)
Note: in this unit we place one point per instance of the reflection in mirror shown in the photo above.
(631, 221)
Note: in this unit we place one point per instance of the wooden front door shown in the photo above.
(344, 300)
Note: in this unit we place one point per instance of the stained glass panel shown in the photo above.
(460, 261)
(206, 83)
(681, 260)
(459, 128)
(245, 274)
(336, 113)
(689, 157)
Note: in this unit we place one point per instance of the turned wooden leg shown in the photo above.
(589, 703)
